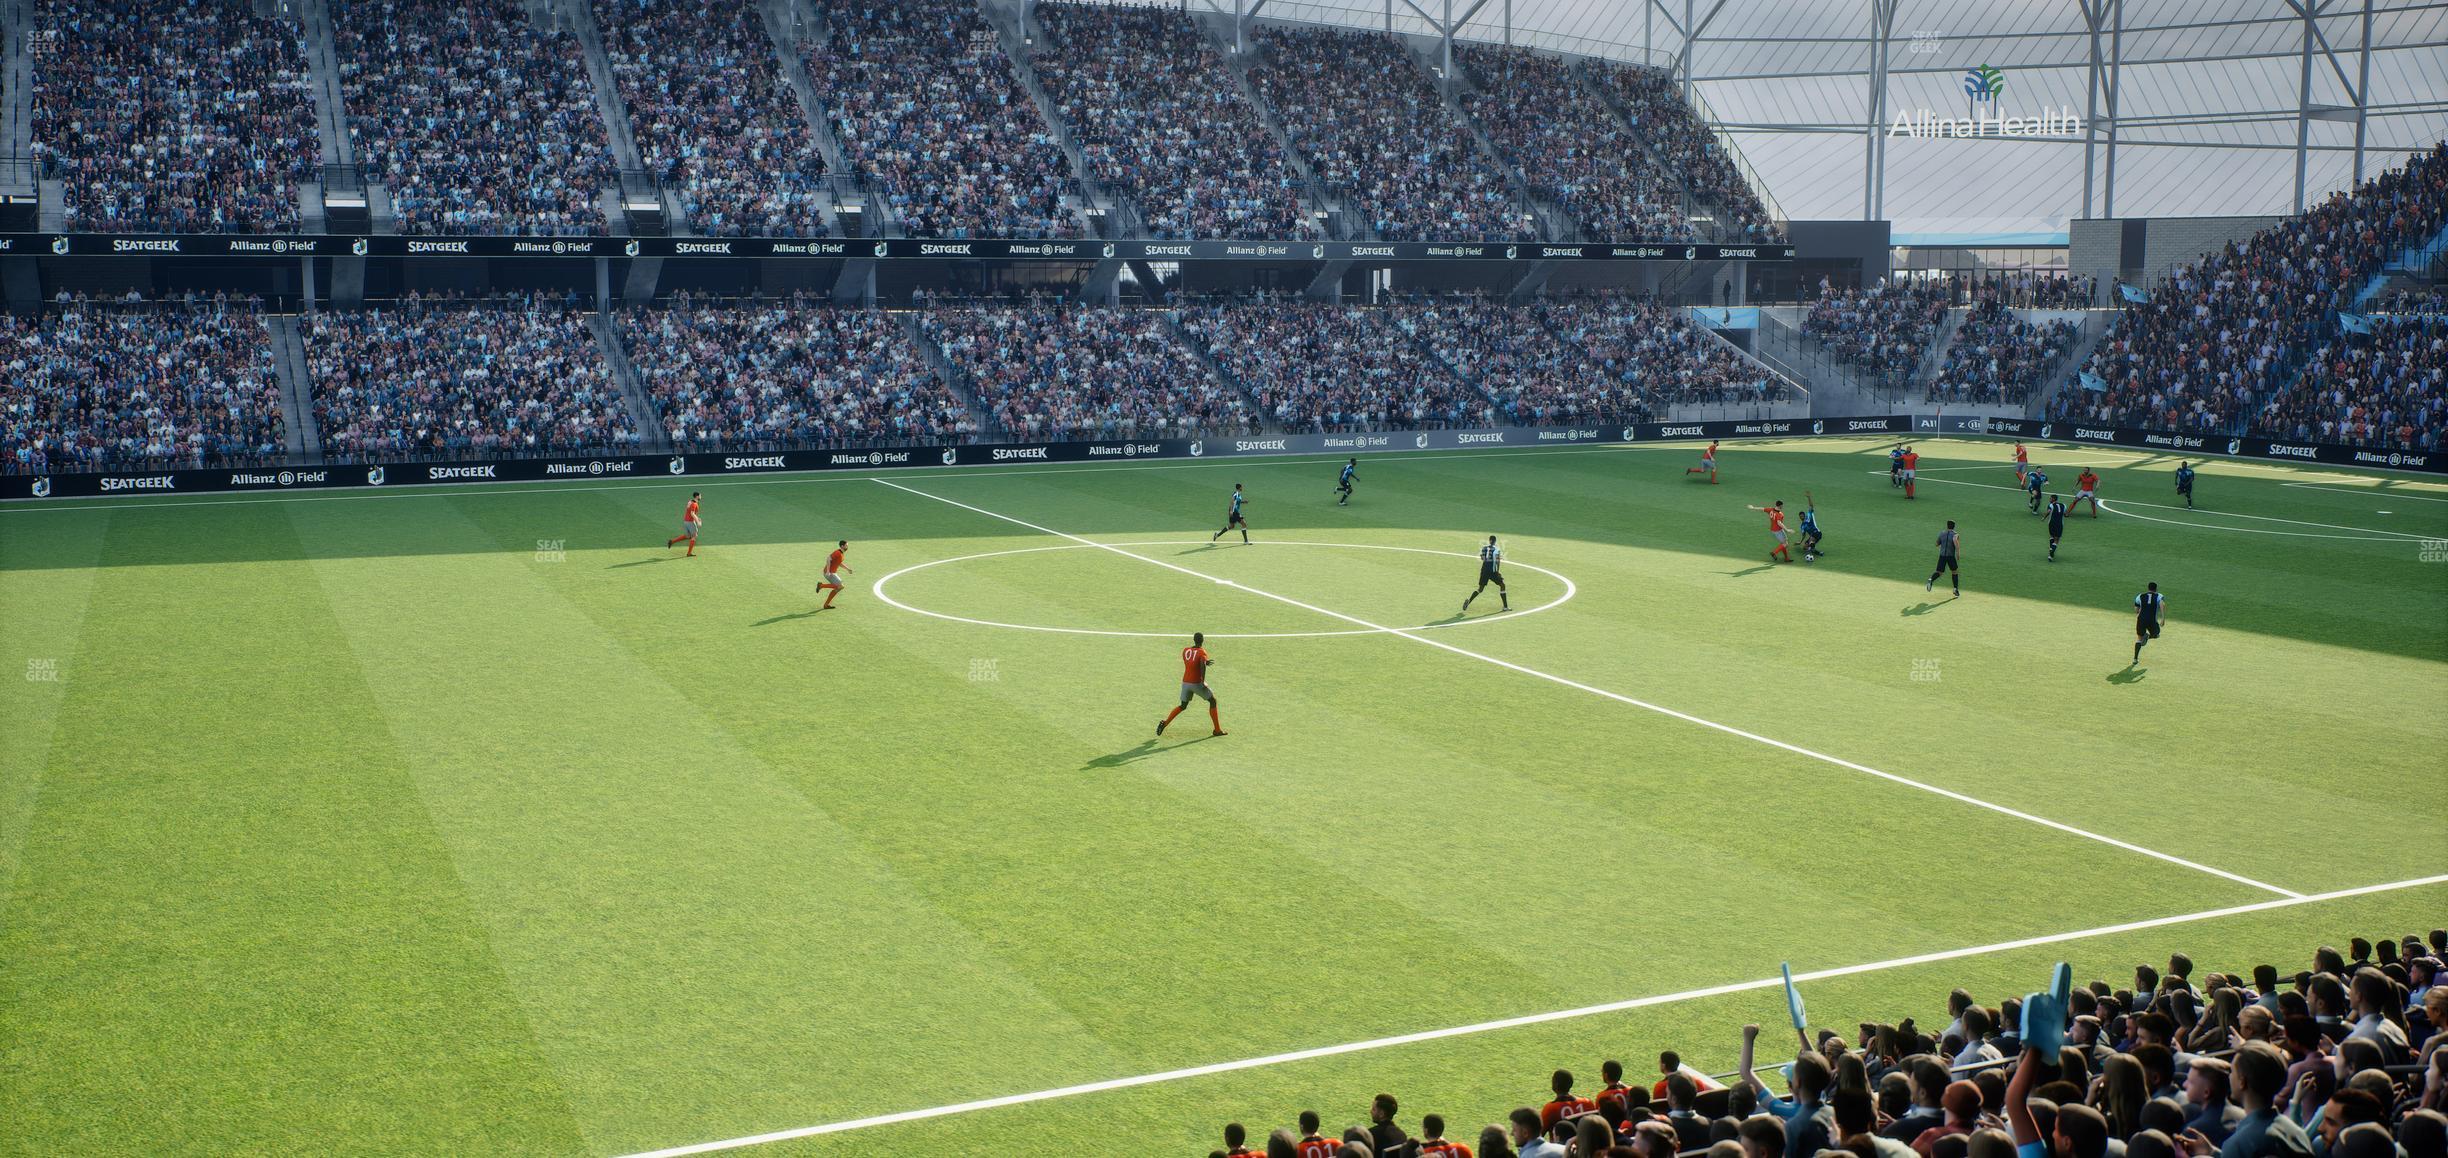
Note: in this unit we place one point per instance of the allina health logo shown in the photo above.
(1982, 87)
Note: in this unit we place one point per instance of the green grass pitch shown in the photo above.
(475, 821)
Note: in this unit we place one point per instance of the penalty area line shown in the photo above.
(1302, 1055)
(1620, 698)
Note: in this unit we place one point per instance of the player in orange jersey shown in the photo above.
(1435, 1145)
(1912, 462)
(1776, 530)
(2022, 460)
(1194, 683)
(1566, 1103)
(834, 570)
(2086, 489)
(1313, 1144)
(1708, 462)
(690, 524)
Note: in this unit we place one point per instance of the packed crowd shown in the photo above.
(1333, 367)
(2217, 344)
(1159, 118)
(924, 100)
(1656, 349)
(1999, 356)
(173, 116)
(2025, 289)
(1375, 132)
(1885, 329)
(2347, 1059)
(1570, 146)
(472, 117)
(1673, 128)
(780, 375)
(2388, 388)
(91, 387)
(1074, 372)
(440, 377)
(712, 116)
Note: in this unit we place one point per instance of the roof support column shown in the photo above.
(2116, 84)
(2303, 101)
(2093, 11)
(2362, 93)
(1874, 135)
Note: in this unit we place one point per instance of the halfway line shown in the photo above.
(1620, 698)
(1515, 1022)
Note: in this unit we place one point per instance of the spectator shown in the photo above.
(1384, 1136)
(1073, 372)
(1377, 135)
(1659, 116)
(1333, 368)
(431, 378)
(1159, 118)
(2207, 1081)
(1528, 1140)
(924, 100)
(712, 117)
(766, 375)
(474, 118)
(173, 116)
(1884, 330)
(1998, 357)
(93, 388)
(1570, 146)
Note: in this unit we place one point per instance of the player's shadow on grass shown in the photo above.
(1140, 751)
(1749, 571)
(2130, 675)
(633, 563)
(1204, 547)
(807, 614)
(1924, 608)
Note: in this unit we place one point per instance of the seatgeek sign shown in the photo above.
(701, 465)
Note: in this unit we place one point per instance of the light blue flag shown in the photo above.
(1793, 998)
(2091, 381)
(2045, 1014)
(2133, 293)
(2354, 323)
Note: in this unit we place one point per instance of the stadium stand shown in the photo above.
(2346, 1059)
(432, 377)
(1070, 372)
(1998, 356)
(1662, 119)
(1655, 348)
(783, 375)
(712, 117)
(924, 100)
(1159, 117)
(2388, 388)
(92, 386)
(474, 118)
(1570, 146)
(1373, 129)
(2218, 346)
(1333, 368)
(1884, 330)
(165, 115)
(1585, 360)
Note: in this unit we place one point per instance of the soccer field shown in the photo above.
(476, 821)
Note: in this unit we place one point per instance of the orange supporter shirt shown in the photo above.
(834, 562)
(689, 515)
(1194, 669)
(1318, 1147)
(1443, 1149)
(1617, 1095)
(1562, 1108)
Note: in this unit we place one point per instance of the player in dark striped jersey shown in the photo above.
(1343, 484)
(2150, 612)
(2056, 514)
(1810, 528)
(1491, 564)
(1232, 517)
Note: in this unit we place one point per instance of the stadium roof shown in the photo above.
(2206, 95)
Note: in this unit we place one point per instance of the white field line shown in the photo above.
(1569, 591)
(2371, 492)
(1645, 705)
(1517, 1022)
(2113, 507)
